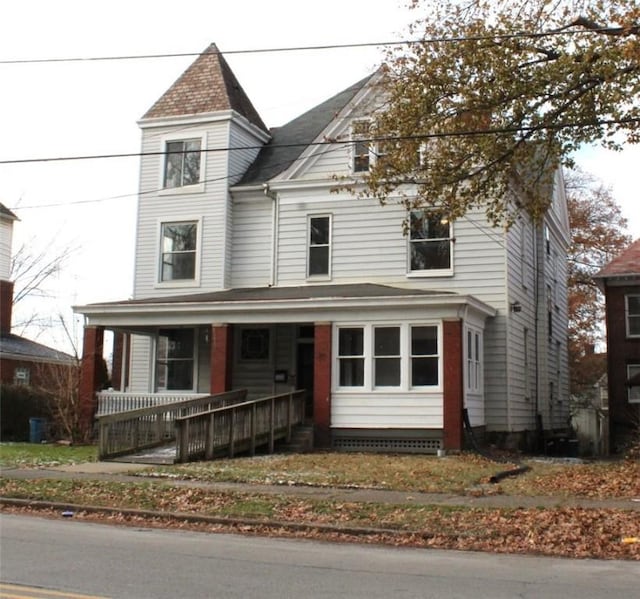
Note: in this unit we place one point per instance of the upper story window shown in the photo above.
(361, 146)
(633, 315)
(430, 242)
(178, 251)
(182, 163)
(175, 359)
(319, 254)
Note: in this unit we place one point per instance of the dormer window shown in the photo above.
(182, 163)
(361, 146)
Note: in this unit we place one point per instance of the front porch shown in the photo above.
(371, 360)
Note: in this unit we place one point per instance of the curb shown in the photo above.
(201, 519)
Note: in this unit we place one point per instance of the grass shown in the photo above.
(42, 455)
(416, 473)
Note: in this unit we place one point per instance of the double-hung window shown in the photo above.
(473, 361)
(319, 255)
(351, 357)
(633, 315)
(361, 146)
(182, 163)
(178, 251)
(429, 242)
(175, 351)
(424, 356)
(386, 356)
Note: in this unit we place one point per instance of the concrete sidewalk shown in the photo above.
(135, 473)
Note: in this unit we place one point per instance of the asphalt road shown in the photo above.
(113, 561)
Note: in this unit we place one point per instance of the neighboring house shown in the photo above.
(22, 361)
(620, 282)
(252, 272)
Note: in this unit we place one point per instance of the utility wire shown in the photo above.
(330, 142)
(433, 40)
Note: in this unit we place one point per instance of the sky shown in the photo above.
(59, 109)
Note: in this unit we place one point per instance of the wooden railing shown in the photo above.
(112, 402)
(238, 427)
(144, 428)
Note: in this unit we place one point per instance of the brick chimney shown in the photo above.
(6, 305)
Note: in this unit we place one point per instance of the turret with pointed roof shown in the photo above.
(207, 86)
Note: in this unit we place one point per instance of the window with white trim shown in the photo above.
(474, 372)
(182, 162)
(360, 146)
(430, 242)
(633, 382)
(178, 251)
(424, 356)
(386, 357)
(319, 250)
(632, 309)
(175, 359)
(399, 356)
(351, 357)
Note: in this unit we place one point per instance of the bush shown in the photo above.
(18, 403)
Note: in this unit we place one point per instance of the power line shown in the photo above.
(422, 136)
(283, 49)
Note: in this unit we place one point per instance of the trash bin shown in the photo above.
(37, 429)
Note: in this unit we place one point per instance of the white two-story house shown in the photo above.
(251, 271)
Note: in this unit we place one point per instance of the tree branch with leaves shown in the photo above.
(493, 95)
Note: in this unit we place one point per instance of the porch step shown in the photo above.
(301, 440)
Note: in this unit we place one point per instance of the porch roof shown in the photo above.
(310, 301)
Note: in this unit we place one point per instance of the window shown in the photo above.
(633, 315)
(429, 242)
(424, 356)
(633, 381)
(318, 261)
(21, 375)
(386, 357)
(351, 357)
(254, 344)
(473, 361)
(360, 146)
(182, 163)
(178, 249)
(175, 351)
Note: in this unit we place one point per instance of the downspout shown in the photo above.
(536, 326)
(273, 274)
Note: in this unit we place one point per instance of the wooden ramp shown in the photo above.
(203, 428)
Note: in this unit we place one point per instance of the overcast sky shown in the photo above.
(91, 107)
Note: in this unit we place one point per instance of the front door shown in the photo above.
(304, 367)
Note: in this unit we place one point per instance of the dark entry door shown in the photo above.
(304, 366)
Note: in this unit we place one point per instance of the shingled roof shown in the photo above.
(289, 141)
(627, 264)
(6, 213)
(19, 348)
(208, 85)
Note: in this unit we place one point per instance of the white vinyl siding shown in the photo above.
(252, 243)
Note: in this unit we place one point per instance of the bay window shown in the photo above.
(178, 251)
(182, 163)
(175, 359)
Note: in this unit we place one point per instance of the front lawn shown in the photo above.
(43, 455)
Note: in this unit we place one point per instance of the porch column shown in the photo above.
(322, 384)
(221, 357)
(452, 384)
(116, 361)
(90, 378)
